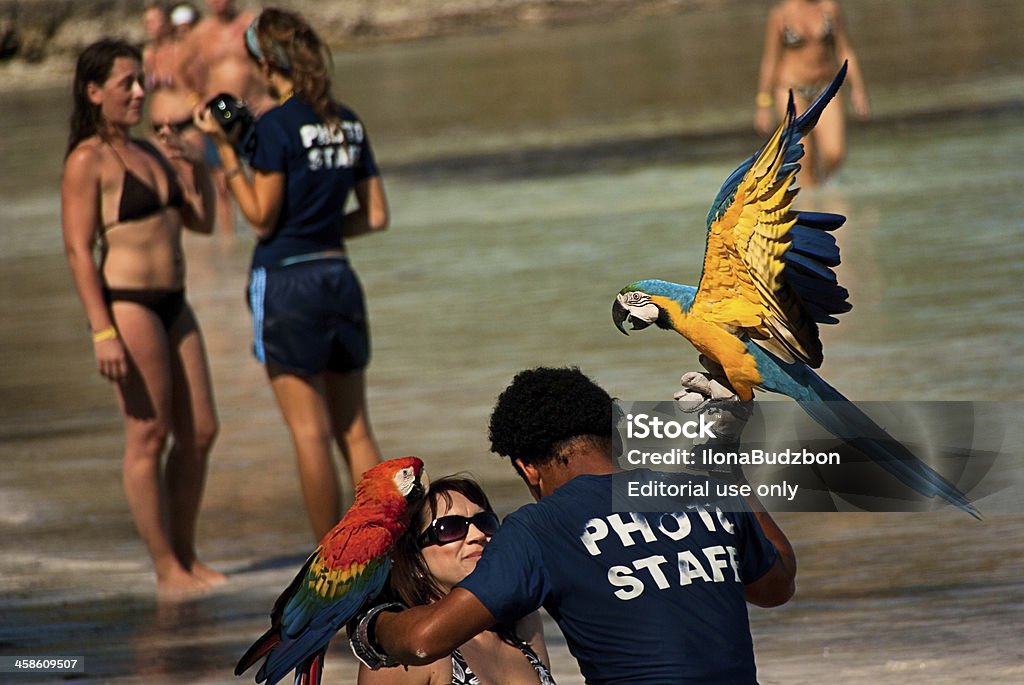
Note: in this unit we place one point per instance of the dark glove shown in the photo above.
(362, 640)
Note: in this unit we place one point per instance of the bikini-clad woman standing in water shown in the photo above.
(123, 194)
(805, 43)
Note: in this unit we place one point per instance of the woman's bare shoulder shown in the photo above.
(86, 160)
(88, 152)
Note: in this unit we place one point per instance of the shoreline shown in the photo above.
(39, 39)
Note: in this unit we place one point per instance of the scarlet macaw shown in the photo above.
(346, 571)
(766, 284)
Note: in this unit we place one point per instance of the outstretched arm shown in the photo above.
(427, 633)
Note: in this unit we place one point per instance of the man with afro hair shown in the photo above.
(650, 598)
(552, 415)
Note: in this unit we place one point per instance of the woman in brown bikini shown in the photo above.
(121, 193)
(805, 43)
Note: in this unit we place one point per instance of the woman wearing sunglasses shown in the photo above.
(120, 194)
(453, 525)
(174, 133)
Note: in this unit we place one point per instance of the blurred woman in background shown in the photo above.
(805, 44)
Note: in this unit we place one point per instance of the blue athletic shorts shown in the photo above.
(309, 317)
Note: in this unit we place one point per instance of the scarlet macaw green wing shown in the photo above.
(326, 594)
(338, 584)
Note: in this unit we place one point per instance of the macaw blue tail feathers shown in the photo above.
(312, 671)
(283, 659)
(845, 420)
(259, 649)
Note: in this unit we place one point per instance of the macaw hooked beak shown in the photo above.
(621, 315)
(420, 488)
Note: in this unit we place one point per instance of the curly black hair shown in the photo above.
(544, 409)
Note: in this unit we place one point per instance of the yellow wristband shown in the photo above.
(231, 173)
(764, 99)
(108, 333)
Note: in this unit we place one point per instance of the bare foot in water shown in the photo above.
(211, 577)
(178, 585)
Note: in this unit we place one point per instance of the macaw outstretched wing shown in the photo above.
(767, 268)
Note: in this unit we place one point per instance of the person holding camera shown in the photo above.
(310, 325)
(123, 194)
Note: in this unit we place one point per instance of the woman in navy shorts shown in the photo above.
(309, 319)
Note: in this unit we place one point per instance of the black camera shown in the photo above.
(236, 120)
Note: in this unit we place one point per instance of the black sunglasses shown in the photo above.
(176, 126)
(451, 528)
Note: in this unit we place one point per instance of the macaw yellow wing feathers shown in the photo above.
(328, 579)
(742, 287)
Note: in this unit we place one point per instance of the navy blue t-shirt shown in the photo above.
(321, 163)
(640, 598)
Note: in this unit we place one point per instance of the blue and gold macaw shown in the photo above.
(767, 283)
